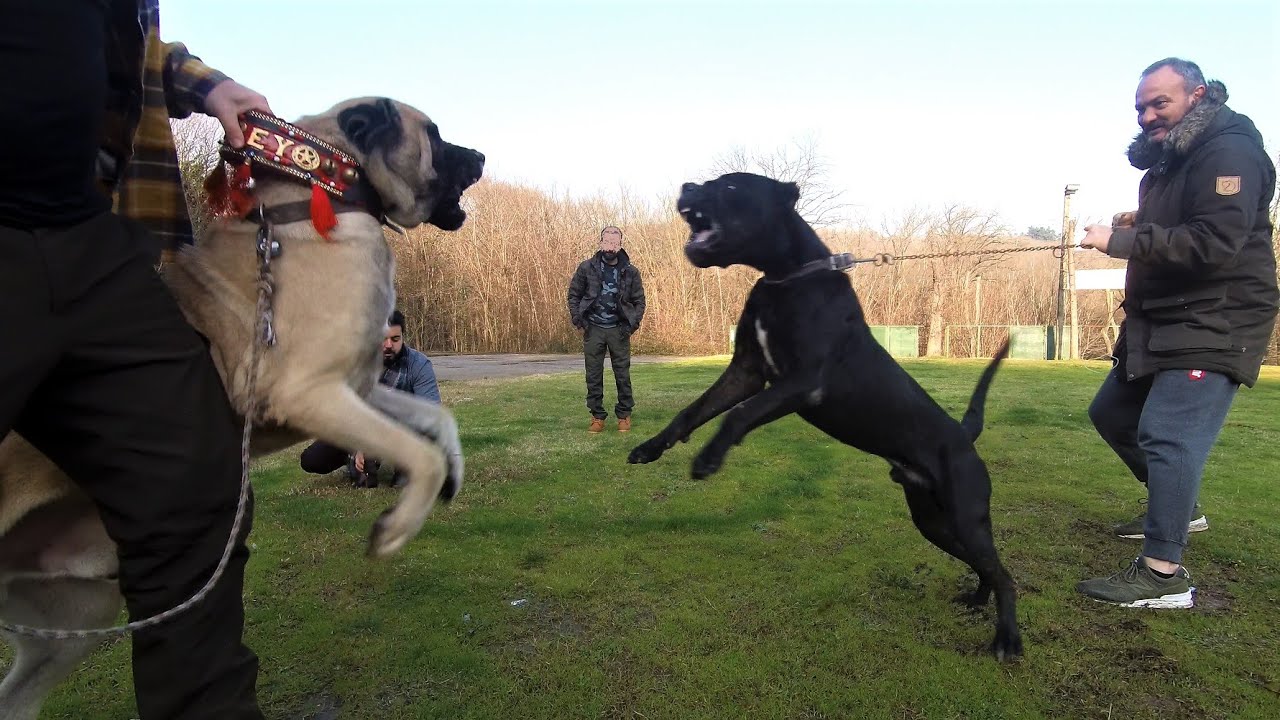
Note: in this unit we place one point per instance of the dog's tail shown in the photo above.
(972, 420)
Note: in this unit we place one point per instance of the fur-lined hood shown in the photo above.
(1145, 154)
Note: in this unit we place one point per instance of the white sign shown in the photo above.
(1105, 279)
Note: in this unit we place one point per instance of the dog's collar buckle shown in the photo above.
(842, 262)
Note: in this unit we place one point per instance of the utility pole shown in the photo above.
(1066, 265)
(1071, 287)
(977, 311)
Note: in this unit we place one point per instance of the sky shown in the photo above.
(993, 105)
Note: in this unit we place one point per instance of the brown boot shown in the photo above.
(624, 424)
(597, 425)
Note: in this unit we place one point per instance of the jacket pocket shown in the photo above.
(1207, 297)
(1188, 321)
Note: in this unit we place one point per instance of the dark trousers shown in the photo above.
(617, 342)
(322, 458)
(102, 373)
(1163, 427)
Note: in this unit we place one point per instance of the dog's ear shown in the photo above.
(790, 193)
(371, 126)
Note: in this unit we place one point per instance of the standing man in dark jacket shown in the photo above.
(606, 302)
(1200, 305)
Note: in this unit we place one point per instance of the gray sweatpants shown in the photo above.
(1163, 426)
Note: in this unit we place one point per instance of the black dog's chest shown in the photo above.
(782, 340)
(775, 343)
(794, 327)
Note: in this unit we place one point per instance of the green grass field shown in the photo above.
(790, 585)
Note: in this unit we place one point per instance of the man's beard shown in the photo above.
(610, 256)
(1146, 131)
(1144, 151)
(389, 357)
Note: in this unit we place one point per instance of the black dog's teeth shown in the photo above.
(697, 220)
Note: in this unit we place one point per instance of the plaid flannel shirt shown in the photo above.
(151, 82)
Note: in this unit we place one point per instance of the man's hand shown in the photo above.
(1097, 237)
(226, 101)
(359, 461)
(1124, 220)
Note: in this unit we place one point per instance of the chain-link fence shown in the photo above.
(1028, 341)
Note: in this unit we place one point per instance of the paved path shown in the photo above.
(476, 367)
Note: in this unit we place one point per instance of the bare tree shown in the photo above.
(196, 139)
(801, 163)
(959, 229)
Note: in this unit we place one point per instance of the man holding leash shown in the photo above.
(110, 381)
(1200, 306)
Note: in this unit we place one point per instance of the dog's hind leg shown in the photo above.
(934, 526)
(39, 664)
(430, 419)
(334, 413)
(972, 525)
(984, 560)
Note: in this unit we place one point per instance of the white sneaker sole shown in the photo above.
(1179, 601)
(1200, 524)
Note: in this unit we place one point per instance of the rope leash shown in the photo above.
(264, 334)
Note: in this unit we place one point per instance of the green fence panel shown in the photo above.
(899, 340)
(1029, 342)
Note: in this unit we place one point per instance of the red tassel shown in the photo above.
(322, 215)
(241, 199)
(242, 176)
(217, 188)
(229, 195)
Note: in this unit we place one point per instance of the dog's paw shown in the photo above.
(975, 600)
(385, 539)
(446, 437)
(453, 479)
(646, 452)
(1007, 646)
(706, 465)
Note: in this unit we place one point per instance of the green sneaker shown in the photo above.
(1133, 529)
(1137, 586)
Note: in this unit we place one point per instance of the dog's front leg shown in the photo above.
(778, 400)
(742, 379)
(430, 419)
(333, 412)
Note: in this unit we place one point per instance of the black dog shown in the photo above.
(803, 334)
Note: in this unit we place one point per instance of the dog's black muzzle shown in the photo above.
(459, 169)
(702, 248)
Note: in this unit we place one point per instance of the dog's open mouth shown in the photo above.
(448, 216)
(703, 230)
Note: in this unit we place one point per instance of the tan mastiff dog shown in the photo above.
(332, 299)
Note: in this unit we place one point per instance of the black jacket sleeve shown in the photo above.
(1224, 188)
(637, 298)
(577, 287)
